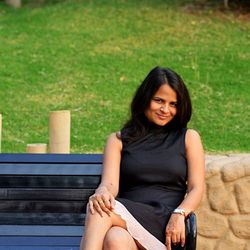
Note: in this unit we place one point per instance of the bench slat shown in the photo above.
(39, 247)
(49, 169)
(45, 194)
(51, 158)
(49, 181)
(37, 230)
(39, 241)
(43, 206)
(42, 218)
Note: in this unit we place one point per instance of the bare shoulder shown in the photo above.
(192, 137)
(115, 139)
(191, 133)
(115, 136)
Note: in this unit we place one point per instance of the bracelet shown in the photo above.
(180, 211)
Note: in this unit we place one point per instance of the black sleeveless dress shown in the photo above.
(153, 178)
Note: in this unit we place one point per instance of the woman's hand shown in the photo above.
(101, 201)
(175, 231)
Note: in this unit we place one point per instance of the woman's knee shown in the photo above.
(95, 218)
(116, 238)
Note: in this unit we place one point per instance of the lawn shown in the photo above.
(89, 56)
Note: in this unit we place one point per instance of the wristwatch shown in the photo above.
(180, 211)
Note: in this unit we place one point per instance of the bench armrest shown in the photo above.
(191, 231)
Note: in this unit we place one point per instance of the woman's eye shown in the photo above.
(158, 100)
(173, 104)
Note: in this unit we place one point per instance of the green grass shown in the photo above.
(89, 57)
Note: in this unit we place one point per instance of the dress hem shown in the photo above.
(137, 231)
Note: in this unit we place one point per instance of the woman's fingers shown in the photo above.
(104, 207)
(97, 207)
(91, 207)
(101, 203)
(175, 231)
(168, 241)
(106, 201)
(175, 237)
(112, 202)
(183, 239)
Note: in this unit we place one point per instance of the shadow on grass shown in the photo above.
(238, 6)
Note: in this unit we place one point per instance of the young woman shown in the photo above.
(153, 172)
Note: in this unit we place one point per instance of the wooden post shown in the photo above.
(38, 148)
(226, 4)
(59, 132)
(0, 133)
(14, 3)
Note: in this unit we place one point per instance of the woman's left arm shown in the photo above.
(175, 230)
(196, 171)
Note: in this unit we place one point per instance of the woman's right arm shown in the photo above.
(103, 200)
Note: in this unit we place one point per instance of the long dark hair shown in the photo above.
(138, 125)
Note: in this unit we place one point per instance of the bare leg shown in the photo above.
(96, 228)
(119, 238)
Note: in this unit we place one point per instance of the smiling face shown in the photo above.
(163, 106)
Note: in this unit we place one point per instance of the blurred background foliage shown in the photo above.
(89, 56)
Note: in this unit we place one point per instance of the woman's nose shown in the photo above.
(164, 108)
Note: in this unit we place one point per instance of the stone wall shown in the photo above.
(224, 214)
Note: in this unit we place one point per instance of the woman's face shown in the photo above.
(163, 106)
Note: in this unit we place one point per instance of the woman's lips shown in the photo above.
(162, 117)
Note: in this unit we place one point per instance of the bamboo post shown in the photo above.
(59, 132)
(226, 4)
(14, 3)
(36, 148)
(0, 133)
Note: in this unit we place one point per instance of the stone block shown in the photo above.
(210, 158)
(214, 167)
(205, 243)
(246, 163)
(241, 155)
(204, 200)
(230, 242)
(247, 245)
(242, 188)
(240, 225)
(211, 224)
(232, 171)
(221, 198)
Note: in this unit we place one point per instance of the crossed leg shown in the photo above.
(106, 233)
(118, 238)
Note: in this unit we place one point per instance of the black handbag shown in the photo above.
(191, 232)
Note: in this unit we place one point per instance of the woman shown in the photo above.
(153, 172)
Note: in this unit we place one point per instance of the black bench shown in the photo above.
(43, 199)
